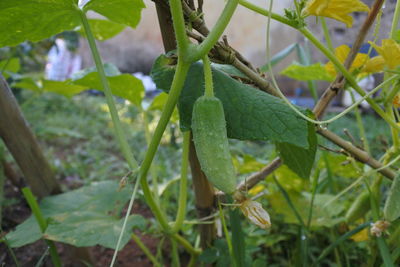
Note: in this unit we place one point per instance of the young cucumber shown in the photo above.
(392, 205)
(211, 142)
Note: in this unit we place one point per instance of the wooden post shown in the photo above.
(23, 145)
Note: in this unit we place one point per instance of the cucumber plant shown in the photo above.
(240, 113)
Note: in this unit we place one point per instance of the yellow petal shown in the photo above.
(374, 64)
(396, 101)
(335, 9)
(341, 52)
(360, 236)
(390, 51)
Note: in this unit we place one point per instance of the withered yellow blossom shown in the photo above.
(390, 51)
(335, 9)
(255, 213)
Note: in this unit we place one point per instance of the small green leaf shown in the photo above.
(9, 67)
(27, 83)
(103, 29)
(158, 103)
(341, 166)
(392, 204)
(307, 73)
(35, 20)
(250, 113)
(278, 57)
(127, 12)
(247, 164)
(64, 88)
(298, 159)
(124, 85)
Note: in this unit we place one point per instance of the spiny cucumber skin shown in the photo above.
(391, 210)
(211, 142)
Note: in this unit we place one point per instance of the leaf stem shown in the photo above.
(266, 13)
(145, 250)
(176, 87)
(326, 33)
(216, 32)
(109, 97)
(209, 88)
(182, 41)
(180, 217)
(42, 224)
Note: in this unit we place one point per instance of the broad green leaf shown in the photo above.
(87, 216)
(103, 29)
(125, 12)
(124, 85)
(307, 73)
(9, 66)
(278, 57)
(64, 88)
(298, 159)
(392, 204)
(25, 233)
(35, 20)
(250, 113)
(322, 216)
(89, 228)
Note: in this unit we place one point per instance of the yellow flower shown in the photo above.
(255, 213)
(396, 101)
(390, 51)
(360, 236)
(341, 53)
(335, 9)
(374, 64)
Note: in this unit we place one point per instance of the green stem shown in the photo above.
(360, 125)
(208, 81)
(395, 22)
(176, 87)
(180, 217)
(108, 93)
(175, 254)
(326, 33)
(153, 170)
(145, 250)
(178, 20)
(42, 224)
(265, 12)
(216, 31)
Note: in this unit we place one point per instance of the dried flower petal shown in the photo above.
(379, 227)
(255, 213)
